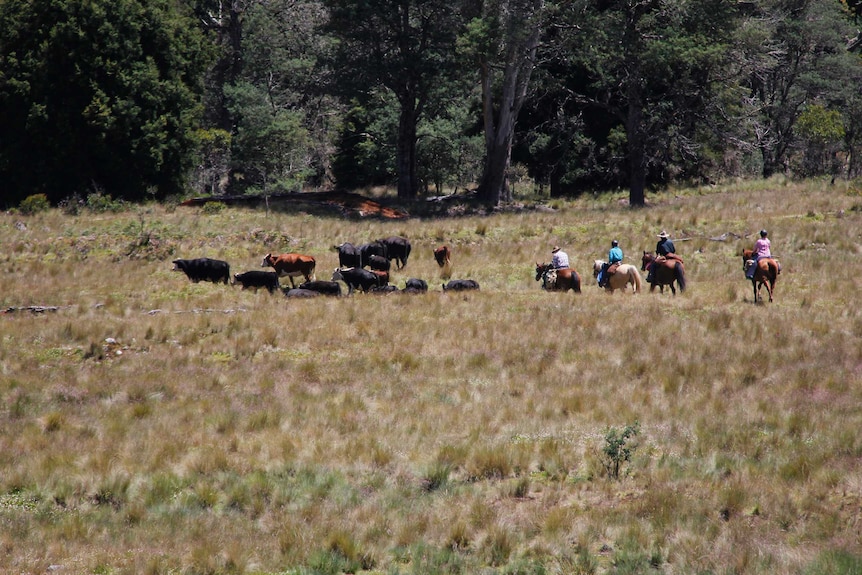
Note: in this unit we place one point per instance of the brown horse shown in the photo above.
(766, 273)
(664, 273)
(565, 279)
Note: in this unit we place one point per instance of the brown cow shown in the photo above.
(442, 255)
(382, 277)
(291, 265)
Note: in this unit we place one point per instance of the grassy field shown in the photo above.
(152, 425)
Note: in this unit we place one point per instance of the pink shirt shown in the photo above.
(762, 248)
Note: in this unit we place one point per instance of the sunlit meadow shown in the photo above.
(152, 425)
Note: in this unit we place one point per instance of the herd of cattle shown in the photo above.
(353, 260)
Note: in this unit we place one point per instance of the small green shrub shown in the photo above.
(618, 448)
(101, 203)
(34, 204)
(213, 208)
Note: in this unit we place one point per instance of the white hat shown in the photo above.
(555, 250)
(663, 234)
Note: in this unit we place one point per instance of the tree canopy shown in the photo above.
(148, 99)
(100, 95)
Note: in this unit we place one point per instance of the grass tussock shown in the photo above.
(152, 425)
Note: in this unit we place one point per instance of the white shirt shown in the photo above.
(560, 260)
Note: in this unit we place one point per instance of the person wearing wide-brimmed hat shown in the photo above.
(665, 245)
(663, 248)
(560, 259)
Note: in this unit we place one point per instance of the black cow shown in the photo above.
(204, 269)
(324, 287)
(378, 263)
(349, 256)
(461, 285)
(301, 293)
(415, 285)
(383, 289)
(376, 248)
(397, 248)
(258, 279)
(355, 278)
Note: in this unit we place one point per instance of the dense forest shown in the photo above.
(155, 99)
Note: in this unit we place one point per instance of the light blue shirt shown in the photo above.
(615, 255)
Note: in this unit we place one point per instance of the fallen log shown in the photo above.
(345, 201)
(32, 308)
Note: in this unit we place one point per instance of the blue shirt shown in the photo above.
(615, 255)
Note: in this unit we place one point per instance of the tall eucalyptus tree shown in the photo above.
(501, 41)
(403, 46)
(793, 53)
(656, 70)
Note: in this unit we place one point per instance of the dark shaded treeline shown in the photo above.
(146, 100)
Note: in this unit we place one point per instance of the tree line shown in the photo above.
(149, 99)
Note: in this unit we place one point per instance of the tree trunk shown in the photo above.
(635, 140)
(770, 162)
(636, 148)
(408, 182)
(520, 56)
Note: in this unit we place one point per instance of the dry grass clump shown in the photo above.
(152, 425)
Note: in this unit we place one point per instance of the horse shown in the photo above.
(766, 273)
(566, 278)
(625, 274)
(665, 273)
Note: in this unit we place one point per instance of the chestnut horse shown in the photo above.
(566, 278)
(625, 274)
(766, 273)
(665, 273)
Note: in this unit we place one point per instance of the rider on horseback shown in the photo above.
(615, 257)
(663, 249)
(560, 258)
(762, 249)
(559, 261)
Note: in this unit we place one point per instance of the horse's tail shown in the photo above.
(636, 279)
(680, 276)
(576, 282)
(774, 269)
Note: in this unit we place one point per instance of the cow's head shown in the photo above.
(267, 261)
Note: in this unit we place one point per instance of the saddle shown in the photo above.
(669, 259)
(612, 269)
(751, 262)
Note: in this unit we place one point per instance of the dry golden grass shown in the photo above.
(225, 431)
